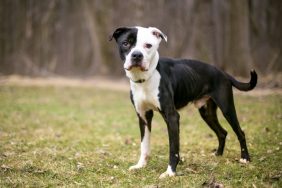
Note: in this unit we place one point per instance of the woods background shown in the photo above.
(70, 37)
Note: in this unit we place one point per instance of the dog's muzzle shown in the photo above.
(136, 61)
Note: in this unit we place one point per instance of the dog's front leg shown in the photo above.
(172, 120)
(145, 130)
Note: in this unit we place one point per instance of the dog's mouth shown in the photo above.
(137, 66)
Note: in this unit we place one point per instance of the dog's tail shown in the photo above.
(245, 86)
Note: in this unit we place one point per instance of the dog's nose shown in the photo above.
(136, 56)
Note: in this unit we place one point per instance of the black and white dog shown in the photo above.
(167, 85)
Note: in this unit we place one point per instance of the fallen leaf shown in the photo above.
(191, 170)
(179, 173)
(5, 167)
(212, 183)
(262, 159)
(80, 166)
(266, 129)
(103, 152)
(269, 151)
(275, 177)
(128, 141)
(151, 186)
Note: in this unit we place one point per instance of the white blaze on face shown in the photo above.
(144, 36)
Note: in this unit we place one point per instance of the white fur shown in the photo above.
(145, 151)
(144, 36)
(146, 94)
(136, 74)
(243, 161)
(167, 173)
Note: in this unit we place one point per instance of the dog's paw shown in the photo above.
(244, 161)
(141, 163)
(167, 173)
(137, 166)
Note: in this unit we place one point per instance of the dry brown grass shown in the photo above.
(266, 86)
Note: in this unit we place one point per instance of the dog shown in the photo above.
(167, 85)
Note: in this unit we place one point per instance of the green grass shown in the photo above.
(71, 136)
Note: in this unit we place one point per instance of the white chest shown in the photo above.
(146, 95)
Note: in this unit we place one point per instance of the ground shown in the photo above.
(82, 133)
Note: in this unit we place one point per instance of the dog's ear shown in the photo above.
(117, 33)
(158, 33)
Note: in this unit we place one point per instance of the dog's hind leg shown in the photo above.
(208, 113)
(145, 130)
(225, 102)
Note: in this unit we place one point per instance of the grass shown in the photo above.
(72, 136)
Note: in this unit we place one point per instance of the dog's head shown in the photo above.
(138, 46)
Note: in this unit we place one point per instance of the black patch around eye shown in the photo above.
(127, 41)
(131, 39)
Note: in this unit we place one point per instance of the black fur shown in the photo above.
(183, 81)
(125, 35)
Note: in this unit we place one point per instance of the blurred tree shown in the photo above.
(70, 37)
(239, 39)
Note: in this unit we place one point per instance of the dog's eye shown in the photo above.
(147, 45)
(125, 44)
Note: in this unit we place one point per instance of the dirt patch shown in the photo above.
(105, 83)
(97, 82)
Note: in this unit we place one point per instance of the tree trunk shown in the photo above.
(239, 41)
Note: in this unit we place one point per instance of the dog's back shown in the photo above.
(190, 79)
